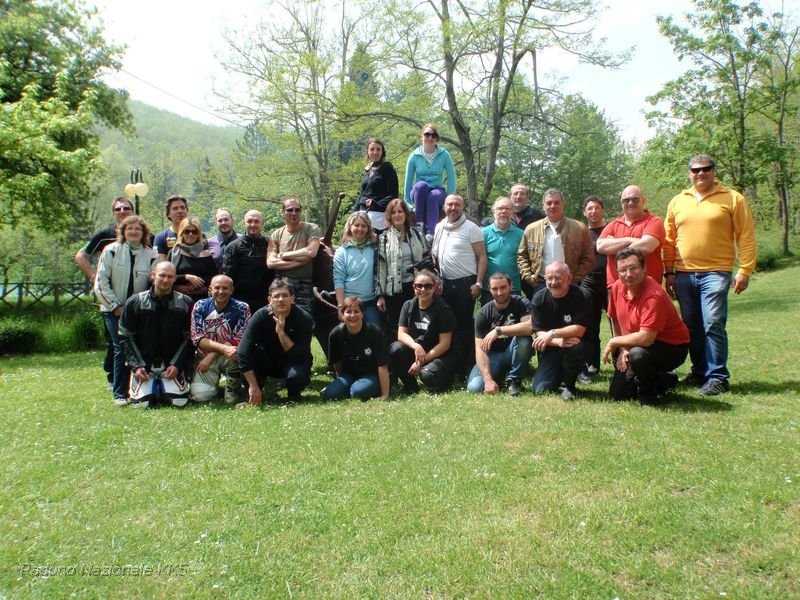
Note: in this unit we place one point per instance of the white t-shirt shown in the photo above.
(456, 256)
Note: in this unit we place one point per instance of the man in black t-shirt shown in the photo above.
(496, 354)
(277, 342)
(559, 315)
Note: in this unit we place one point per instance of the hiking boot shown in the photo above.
(514, 387)
(584, 379)
(567, 395)
(714, 387)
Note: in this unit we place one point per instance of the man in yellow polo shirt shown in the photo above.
(706, 225)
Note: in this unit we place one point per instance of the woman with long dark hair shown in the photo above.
(378, 186)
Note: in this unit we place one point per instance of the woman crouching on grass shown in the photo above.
(424, 335)
(358, 353)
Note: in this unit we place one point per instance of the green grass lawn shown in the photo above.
(427, 497)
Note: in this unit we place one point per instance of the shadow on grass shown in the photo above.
(683, 402)
(766, 387)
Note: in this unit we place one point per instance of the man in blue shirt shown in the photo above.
(502, 242)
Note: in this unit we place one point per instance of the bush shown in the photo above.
(18, 336)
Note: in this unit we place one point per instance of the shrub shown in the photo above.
(19, 337)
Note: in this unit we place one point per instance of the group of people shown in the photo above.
(240, 305)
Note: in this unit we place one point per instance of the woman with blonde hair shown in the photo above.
(122, 271)
(194, 264)
(425, 171)
(400, 247)
(354, 266)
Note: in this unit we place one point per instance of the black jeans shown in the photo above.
(457, 294)
(436, 376)
(645, 364)
(596, 293)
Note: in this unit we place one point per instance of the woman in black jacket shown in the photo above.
(378, 186)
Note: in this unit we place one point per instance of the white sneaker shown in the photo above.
(180, 401)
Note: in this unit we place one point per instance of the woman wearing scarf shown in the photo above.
(427, 166)
(123, 270)
(194, 265)
(400, 247)
(354, 266)
(378, 186)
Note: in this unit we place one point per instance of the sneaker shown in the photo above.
(514, 387)
(180, 401)
(567, 395)
(584, 379)
(647, 400)
(140, 403)
(121, 401)
(714, 387)
(693, 380)
(232, 396)
(592, 370)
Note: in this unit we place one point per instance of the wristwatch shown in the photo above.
(497, 331)
(552, 333)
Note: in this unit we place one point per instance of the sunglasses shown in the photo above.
(631, 200)
(292, 210)
(705, 169)
(190, 231)
(429, 134)
(122, 209)
(423, 286)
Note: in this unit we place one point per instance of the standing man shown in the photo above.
(245, 262)
(121, 208)
(636, 228)
(498, 356)
(524, 213)
(277, 343)
(225, 235)
(554, 238)
(460, 254)
(176, 211)
(707, 225)
(650, 340)
(502, 241)
(559, 316)
(154, 334)
(292, 249)
(217, 326)
(594, 287)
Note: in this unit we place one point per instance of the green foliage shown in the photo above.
(51, 96)
(18, 336)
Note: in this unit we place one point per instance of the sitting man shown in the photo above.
(560, 315)
(154, 334)
(650, 339)
(277, 343)
(497, 355)
(217, 326)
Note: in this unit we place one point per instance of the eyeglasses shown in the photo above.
(429, 134)
(292, 210)
(423, 286)
(122, 209)
(631, 200)
(706, 169)
(190, 232)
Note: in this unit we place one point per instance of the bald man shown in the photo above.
(245, 262)
(217, 326)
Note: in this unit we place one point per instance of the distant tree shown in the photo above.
(51, 98)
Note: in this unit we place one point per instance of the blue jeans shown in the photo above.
(348, 386)
(704, 308)
(511, 363)
(372, 314)
(121, 373)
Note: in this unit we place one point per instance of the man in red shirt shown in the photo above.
(650, 339)
(636, 228)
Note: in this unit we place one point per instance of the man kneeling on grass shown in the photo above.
(650, 339)
(217, 326)
(154, 334)
(277, 343)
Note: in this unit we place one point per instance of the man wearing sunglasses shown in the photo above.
(707, 226)
(636, 228)
(292, 249)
